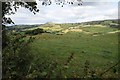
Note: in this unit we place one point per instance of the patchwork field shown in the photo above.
(70, 50)
(96, 44)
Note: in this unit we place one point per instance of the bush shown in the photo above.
(35, 31)
(16, 58)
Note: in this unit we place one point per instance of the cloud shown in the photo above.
(54, 13)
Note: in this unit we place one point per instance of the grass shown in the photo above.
(101, 50)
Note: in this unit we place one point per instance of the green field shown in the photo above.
(64, 50)
(99, 47)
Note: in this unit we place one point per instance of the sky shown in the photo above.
(91, 10)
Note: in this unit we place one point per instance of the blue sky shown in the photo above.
(89, 11)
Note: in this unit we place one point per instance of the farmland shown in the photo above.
(96, 44)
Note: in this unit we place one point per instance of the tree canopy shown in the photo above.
(11, 6)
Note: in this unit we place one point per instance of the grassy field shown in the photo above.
(94, 44)
(69, 50)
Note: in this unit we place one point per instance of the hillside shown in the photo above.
(51, 24)
(69, 50)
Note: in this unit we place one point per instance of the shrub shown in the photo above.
(35, 31)
(16, 58)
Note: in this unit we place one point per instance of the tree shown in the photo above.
(10, 7)
(61, 2)
(13, 52)
(35, 31)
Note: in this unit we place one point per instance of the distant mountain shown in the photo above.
(103, 22)
(111, 23)
(21, 27)
(48, 24)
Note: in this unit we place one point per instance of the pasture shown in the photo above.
(69, 50)
(94, 44)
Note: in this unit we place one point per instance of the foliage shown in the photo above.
(35, 31)
(62, 2)
(15, 53)
(16, 57)
(11, 6)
